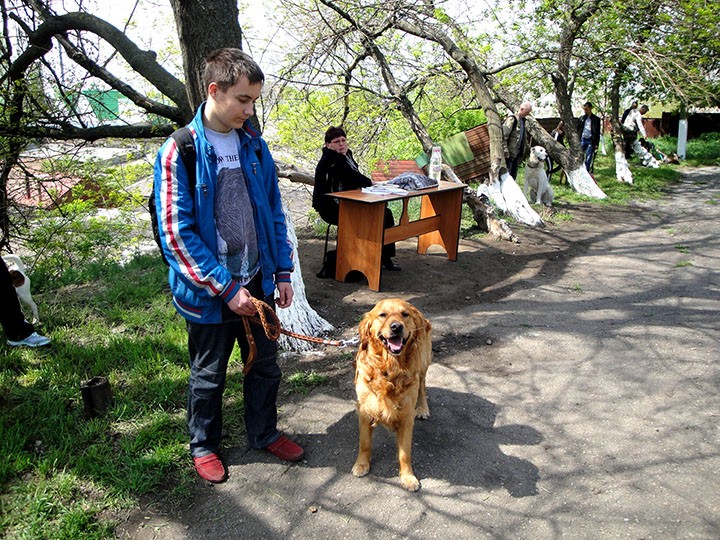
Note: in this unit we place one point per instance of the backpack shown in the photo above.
(186, 146)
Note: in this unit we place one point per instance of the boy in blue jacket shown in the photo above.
(225, 243)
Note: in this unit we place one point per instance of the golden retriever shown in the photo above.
(393, 357)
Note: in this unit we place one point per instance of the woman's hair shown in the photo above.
(333, 133)
(225, 67)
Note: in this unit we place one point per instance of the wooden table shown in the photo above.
(361, 234)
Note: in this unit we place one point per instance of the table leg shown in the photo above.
(447, 204)
(360, 241)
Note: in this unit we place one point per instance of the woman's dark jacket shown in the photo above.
(335, 172)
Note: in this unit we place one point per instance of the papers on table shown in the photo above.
(384, 189)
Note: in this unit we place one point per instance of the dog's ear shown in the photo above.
(421, 323)
(364, 328)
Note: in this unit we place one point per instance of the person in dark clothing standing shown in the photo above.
(588, 129)
(515, 137)
(338, 171)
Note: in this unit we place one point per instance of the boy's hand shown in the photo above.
(242, 303)
(285, 294)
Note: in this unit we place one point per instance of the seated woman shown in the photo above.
(338, 171)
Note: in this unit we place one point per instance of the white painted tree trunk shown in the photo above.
(581, 181)
(622, 171)
(506, 195)
(299, 317)
(682, 137)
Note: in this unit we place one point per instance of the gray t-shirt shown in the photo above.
(234, 220)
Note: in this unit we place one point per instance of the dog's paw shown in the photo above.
(360, 469)
(410, 483)
(422, 414)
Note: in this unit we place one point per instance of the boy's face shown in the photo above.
(229, 109)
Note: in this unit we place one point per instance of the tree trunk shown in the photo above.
(203, 27)
(514, 199)
(569, 158)
(299, 317)
(622, 171)
(483, 211)
(578, 177)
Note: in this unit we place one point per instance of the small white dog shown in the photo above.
(536, 180)
(21, 282)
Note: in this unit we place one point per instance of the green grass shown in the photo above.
(304, 381)
(703, 150)
(63, 475)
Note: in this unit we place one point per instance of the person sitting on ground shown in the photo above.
(18, 331)
(338, 171)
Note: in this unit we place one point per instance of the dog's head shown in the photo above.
(15, 269)
(17, 278)
(392, 324)
(539, 152)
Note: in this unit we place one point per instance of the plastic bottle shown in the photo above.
(435, 168)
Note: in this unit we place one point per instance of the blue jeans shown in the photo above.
(210, 346)
(589, 151)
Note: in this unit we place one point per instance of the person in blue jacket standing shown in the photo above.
(226, 243)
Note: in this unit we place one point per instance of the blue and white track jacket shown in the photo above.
(186, 223)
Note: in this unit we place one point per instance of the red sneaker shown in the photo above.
(210, 468)
(285, 449)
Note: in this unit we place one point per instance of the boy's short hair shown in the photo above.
(588, 105)
(225, 67)
(333, 133)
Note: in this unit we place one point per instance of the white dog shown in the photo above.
(536, 180)
(21, 282)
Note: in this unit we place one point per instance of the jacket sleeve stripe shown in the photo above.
(169, 220)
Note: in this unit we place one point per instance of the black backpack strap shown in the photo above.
(186, 145)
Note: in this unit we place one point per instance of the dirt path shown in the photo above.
(574, 394)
